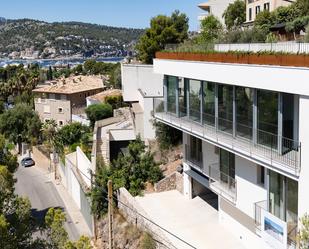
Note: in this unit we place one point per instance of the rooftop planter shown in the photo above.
(291, 60)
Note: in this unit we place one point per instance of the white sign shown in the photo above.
(274, 230)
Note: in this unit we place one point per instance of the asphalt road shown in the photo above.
(34, 183)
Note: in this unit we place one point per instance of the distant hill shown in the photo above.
(2, 19)
(31, 38)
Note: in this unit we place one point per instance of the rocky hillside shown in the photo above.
(27, 38)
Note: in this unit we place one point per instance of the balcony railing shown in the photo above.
(272, 149)
(291, 226)
(222, 183)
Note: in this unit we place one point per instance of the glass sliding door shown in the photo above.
(276, 195)
(195, 100)
(225, 108)
(171, 84)
(209, 103)
(182, 91)
(283, 201)
(195, 152)
(227, 166)
(267, 124)
(244, 112)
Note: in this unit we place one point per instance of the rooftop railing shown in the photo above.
(272, 149)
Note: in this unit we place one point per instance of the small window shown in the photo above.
(266, 6)
(260, 175)
(60, 110)
(60, 122)
(250, 14)
(257, 10)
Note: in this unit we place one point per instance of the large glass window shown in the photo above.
(267, 105)
(209, 103)
(283, 198)
(195, 100)
(225, 108)
(171, 83)
(195, 152)
(182, 93)
(244, 112)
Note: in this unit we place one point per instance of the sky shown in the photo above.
(120, 13)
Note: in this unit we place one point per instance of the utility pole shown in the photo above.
(110, 214)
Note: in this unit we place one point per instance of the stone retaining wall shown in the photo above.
(170, 182)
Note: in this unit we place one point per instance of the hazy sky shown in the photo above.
(125, 13)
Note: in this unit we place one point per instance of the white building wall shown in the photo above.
(84, 165)
(275, 78)
(248, 190)
(303, 184)
(135, 77)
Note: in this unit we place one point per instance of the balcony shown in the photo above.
(267, 149)
(222, 184)
(219, 182)
(291, 226)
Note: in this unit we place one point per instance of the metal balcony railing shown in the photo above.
(292, 227)
(222, 183)
(275, 150)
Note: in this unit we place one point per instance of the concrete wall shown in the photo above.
(275, 78)
(72, 181)
(134, 77)
(140, 84)
(303, 183)
(246, 178)
(84, 165)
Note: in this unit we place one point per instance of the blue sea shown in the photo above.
(58, 62)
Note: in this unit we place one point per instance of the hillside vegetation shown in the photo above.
(38, 39)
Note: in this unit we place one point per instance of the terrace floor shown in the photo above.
(194, 221)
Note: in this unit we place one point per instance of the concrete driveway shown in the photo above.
(194, 221)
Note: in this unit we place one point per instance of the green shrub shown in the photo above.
(98, 111)
(167, 136)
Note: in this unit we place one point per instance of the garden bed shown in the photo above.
(292, 60)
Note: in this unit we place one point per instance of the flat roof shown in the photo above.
(72, 84)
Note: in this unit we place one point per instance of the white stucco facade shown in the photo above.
(251, 186)
(139, 86)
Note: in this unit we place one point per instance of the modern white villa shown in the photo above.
(245, 141)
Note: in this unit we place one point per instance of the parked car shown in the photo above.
(27, 162)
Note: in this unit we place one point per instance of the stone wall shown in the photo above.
(170, 182)
(136, 215)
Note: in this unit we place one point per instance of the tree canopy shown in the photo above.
(20, 124)
(163, 30)
(235, 14)
(211, 29)
(97, 112)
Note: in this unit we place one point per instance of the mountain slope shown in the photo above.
(26, 37)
